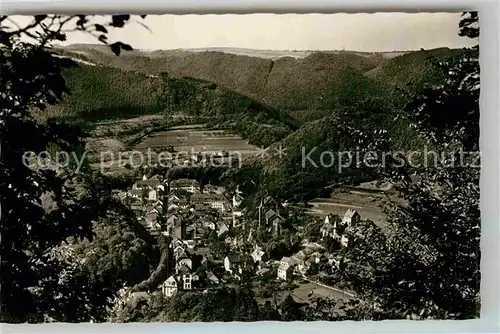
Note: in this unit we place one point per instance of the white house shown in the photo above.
(153, 195)
(329, 228)
(351, 217)
(215, 201)
(258, 254)
(191, 186)
(169, 287)
(187, 281)
(223, 228)
(285, 269)
(232, 263)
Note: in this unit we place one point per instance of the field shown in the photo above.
(366, 204)
(114, 137)
(196, 138)
(368, 199)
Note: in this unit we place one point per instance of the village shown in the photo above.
(213, 242)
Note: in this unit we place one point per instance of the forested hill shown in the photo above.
(288, 82)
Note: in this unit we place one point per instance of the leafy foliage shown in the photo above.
(427, 266)
(99, 93)
(36, 268)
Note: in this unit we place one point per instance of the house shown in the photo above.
(329, 228)
(298, 258)
(304, 267)
(211, 189)
(189, 185)
(181, 203)
(300, 261)
(191, 232)
(153, 195)
(351, 217)
(222, 228)
(215, 201)
(184, 261)
(149, 184)
(275, 220)
(187, 281)
(136, 193)
(212, 278)
(237, 264)
(269, 215)
(229, 262)
(202, 252)
(258, 254)
(182, 270)
(169, 287)
(285, 269)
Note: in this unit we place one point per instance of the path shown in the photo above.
(331, 288)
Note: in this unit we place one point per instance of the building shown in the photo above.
(184, 261)
(258, 254)
(222, 228)
(151, 220)
(149, 184)
(285, 269)
(329, 228)
(351, 217)
(215, 201)
(153, 195)
(298, 258)
(238, 265)
(136, 193)
(187, 281)
(212, 279)
(191, 232)
(229, 262)
(275, 220)
(189, 185)
(169, 287)
(211, 189)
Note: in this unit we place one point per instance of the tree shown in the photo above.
(34, 265)
(427, 265)
(291, 310)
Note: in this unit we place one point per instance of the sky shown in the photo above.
(376, 32)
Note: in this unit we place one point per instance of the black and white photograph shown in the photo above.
(239, 167)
